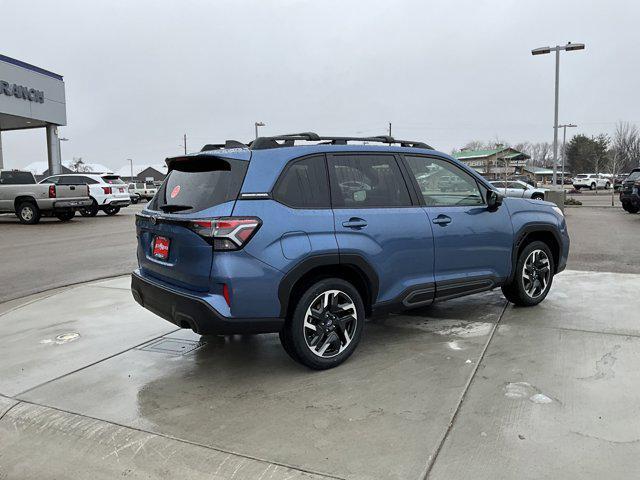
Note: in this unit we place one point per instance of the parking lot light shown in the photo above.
(541, 51)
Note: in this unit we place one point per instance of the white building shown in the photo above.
(32, 97)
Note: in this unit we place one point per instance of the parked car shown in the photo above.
(520, 190)
(619, 180)
(592, 181)
(107, 191)
(21, 194)
(142, 191)
(308, 240)
(630, 192)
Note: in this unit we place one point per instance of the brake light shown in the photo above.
(52, 191)
(227, 233)
(107, 190)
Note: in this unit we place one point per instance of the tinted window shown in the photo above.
(113, 179)
(54, 180)
(498, 184)
(72, 180)
(516, 185)
(443, 183)
(633, 176)
(196, 183)
(364, 181)
(17, 178)
(304, 184)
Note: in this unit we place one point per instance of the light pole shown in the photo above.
(130, 160)
(60, 140)
(542, 51)
(500, 146)
(258, 124)
(564, 148)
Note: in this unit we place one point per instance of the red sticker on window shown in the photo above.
(175, 191)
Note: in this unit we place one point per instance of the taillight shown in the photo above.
(227, 233)
(52, 191)
(107, 190)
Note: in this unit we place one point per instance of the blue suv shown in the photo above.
(307, 236)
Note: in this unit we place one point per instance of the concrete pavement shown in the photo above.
(471, 388)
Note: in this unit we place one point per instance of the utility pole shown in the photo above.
(390, 129)
(185, 143)
(130, 160)
(258, 124)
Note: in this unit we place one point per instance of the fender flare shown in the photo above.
(326, 260)
(522, 234)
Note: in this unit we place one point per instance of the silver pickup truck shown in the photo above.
(20, 194)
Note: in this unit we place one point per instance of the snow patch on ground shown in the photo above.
(522, 390)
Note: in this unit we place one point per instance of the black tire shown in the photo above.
(90, 211)
(607, 186)
(592, 187)
(111, 210)
(517, 291)
(537, 196)
(333, 346)
(577, 188)
(65, 216)
(633, 208)
(135, 199)
(28, 213)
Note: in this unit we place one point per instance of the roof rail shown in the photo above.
(279, 141)
(227, 144)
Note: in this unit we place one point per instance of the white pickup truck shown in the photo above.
(20, 194)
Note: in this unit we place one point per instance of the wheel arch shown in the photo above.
(350, 267)
(536, 232)
(23, 198)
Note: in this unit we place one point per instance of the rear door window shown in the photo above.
(367, 181)
(200, 182)
(304, 184)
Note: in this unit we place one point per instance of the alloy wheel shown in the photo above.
(536, 273)
(330, 323)
(27, 214)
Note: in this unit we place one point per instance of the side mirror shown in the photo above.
(494, 200)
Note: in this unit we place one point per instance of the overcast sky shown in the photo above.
(141, 74)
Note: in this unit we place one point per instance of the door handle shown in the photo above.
(355, 222)
(442, 220)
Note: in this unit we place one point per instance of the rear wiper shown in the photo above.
(175, 208)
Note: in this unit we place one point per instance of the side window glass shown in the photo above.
(304, 184)
(367, 181)
(443, 183)
(53, 180)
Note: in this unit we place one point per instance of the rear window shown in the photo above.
(633, 176)
(197, 183)
(113, 179)
(582, 175)
(16, 178)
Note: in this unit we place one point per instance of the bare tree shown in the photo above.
(77, 165)
(626, 144)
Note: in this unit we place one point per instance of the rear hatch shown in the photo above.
(119, 189)
(198, 188)
(629, 182)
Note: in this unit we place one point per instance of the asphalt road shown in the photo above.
(53, 254)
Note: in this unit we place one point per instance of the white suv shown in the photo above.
(591, 181)
(107, 191)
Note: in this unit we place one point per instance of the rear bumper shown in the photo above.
(190, 311)
(71, 203)
(117, 203)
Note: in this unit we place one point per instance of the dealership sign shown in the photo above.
(19, 91)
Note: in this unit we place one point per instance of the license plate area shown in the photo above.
(161, 247)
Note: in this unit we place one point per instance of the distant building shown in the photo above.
(143, 173)
(543, 174)
(492, 164)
